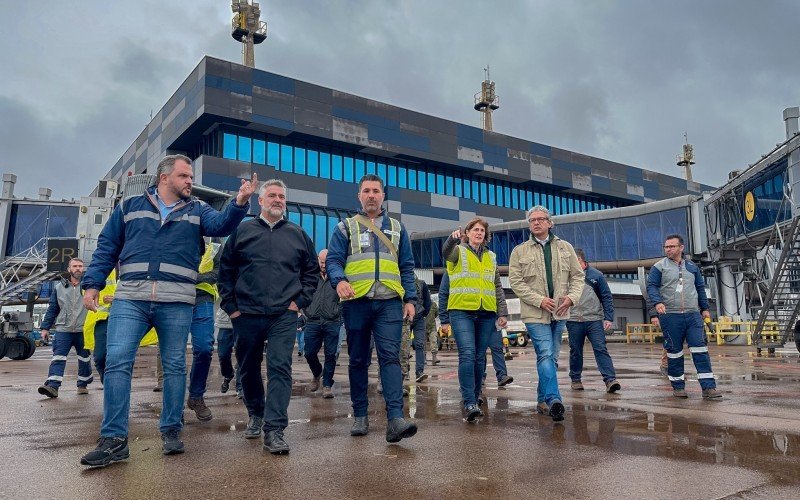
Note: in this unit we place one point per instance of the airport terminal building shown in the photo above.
(232, 120)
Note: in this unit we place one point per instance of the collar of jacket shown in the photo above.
(364, 213)
(276, 226)
(479, 252)
(150, 194)
(552, 238)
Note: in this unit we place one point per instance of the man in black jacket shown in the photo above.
(323, 321)
(268, 272)
(417, 327)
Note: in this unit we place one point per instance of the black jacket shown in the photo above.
(325, 305)
(263, 270)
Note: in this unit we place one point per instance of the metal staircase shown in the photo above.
(24, 272)
(781, 307)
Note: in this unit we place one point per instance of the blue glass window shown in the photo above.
(382, 171)
(359, 169)
(457, 185)
(273, 154)
(286, 158)
(307, 221)
(245, 151)
(412, 178)
(370, 167)
(392, 177)
(628, 239)
(336, 167)
(320, 231)
(507, 197)
(448, 185)
(484, 198)
(325, 165)
(421, 185)
(348, 169)
(402, 176)
(293, 214)
(514, 198)
(259, 152)
(529, 204)
(476, 193)
(300, 161)
(439, 184)
(229, 146)
(312, 166)
(492, 195)
(431, 183)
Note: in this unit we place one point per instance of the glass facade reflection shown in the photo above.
(316, 160)
(31, 223)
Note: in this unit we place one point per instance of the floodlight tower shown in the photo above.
(686, 160)
(486, 101)
(247, 28)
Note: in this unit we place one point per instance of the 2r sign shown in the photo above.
(59, 252)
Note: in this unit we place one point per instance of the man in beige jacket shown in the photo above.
(545, 274)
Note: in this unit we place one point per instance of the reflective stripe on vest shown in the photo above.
(362, 269)
(472, 281)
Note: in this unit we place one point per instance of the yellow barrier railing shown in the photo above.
(644, 331)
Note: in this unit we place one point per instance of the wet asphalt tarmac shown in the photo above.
(639, 443)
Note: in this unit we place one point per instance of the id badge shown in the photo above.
(364, 239)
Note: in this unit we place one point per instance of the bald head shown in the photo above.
(321, 258)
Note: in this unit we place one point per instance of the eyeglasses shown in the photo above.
(538, 219)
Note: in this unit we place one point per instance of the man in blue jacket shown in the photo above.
(591, 317)
(676, 287)
(156, 238)
(371, 266)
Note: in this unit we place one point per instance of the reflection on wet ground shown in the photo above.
(748, 444)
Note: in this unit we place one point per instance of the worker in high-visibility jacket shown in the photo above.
(371, 266)
(476, 306)
(95, 327)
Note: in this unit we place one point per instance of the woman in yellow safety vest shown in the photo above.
(476, 305)
(95, 327)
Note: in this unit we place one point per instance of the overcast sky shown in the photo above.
(622, 80)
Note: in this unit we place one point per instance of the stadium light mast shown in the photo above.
(247, 28)
(486, 101)
(686, 160)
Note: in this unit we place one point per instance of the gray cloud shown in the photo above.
(619, 80)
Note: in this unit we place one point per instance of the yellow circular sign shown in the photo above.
(749, 206)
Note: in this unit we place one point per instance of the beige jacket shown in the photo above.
(526, 273)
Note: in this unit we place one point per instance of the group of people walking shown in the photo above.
(269, 271)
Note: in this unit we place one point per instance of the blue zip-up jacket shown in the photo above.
(339, 249)
(663, 286)
(158, 259)
(597, 301)
(65, 310)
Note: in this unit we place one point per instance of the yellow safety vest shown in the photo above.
(206, 265)
(472, 281)
(360, 266)
(93, 317)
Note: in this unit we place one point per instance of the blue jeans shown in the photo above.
(342, 335)
(301, 341)
(128, 322)
(546, 339)
(100, 340)
(202, 330)
(498, 356)
(63, 342)
(278, 332)
(317, 334)
(578, 332)
(383, 320)
(688, 327)
(418, 327)
(225, 342)
(472, 331)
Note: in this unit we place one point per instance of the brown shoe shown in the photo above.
(576, 385)
(200, 409)
(314, 387)
(542, 409)
(680, 393)
(711, 394)
(327, 392)
(48, 390)
(612, 386)
(83, 390)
